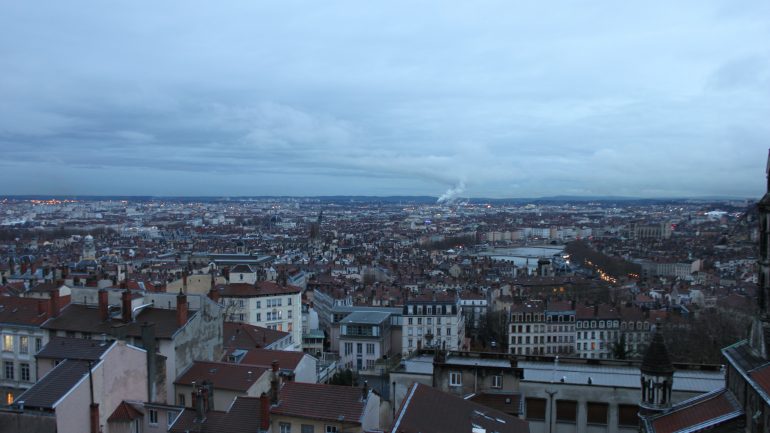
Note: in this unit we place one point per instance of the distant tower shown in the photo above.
(657, 376)
(759, 338)
(89, 250)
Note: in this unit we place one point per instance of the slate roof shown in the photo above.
(233, 377)
(74, 348)
(704, 411)
(53, 386)
(81, 318)
(656, 360)
(244, 416)
(429, 410)
(320, 401)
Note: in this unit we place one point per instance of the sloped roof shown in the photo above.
(702, 412)
(320, 401)
(245, 336)
(80, 318)
(21, 311)
(53, 386)
(504, 401)
(234, 377)
(74, 348)
(429, 410)
(244, 416)
(125, 412)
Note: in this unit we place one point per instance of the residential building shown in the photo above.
(433, 320)
(266, 304)
(20, 339)
(364, 339)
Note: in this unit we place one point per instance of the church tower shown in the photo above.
(657, 376)
(759, 338)
(89, 250)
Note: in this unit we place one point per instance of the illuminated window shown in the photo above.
(8, 343)
(9, 398)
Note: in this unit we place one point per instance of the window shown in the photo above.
(24, 344)
(240, 317)
(497, 381)
(9, 370)
(535, 408)
(259, 304)
(38, 344)
(240, 303)
(409, 321)
(307, 428)
(259, 317)
(9, 398)
(180, 399)
(153, 417)
(7, 343)
(285, 427)
(288, 314)
(331, 429)
(288, 301)
(349, 348)
(627, 415)
(597, 413)
(359, 348)
(455, 378)
(25, 372)
(566, 411)
(370, 348)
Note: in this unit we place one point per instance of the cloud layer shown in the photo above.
(265, 98)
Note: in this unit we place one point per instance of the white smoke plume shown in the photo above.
(452, 194)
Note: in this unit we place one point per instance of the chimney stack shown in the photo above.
(42, 307)
(365, 391)
(54, 310)
(264, 416)
(200, 411)
(104, 313)
(274, 383)
(214, 294)
(126, 301)
(149, 344)
(181, 309)
(94, 418)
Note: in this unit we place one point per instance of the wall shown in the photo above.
(73, 413)
(318, 426)
(121, 376)
(306, 370)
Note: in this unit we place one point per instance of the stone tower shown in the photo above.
(657, 376)
(759, 338)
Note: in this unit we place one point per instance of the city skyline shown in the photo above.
(494, 100)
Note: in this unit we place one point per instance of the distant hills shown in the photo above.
(347, 199)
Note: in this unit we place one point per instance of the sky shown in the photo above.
(472, 99)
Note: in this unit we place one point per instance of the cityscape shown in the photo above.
(396, 217)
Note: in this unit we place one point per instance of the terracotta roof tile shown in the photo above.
(125, 412)
(710, 407)
(234, 377)
(244, 416)
(320, 401)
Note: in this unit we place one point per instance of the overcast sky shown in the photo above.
(492, 99)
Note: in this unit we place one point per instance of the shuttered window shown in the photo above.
(597, 413)
(535, 408)
(627, 415)
(566, 410)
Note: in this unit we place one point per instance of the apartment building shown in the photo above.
(433, 320)
(266, 304)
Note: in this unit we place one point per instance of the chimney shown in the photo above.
(181, 309)
(214, 295)
(94, 418)
(54, 310)
(264, 416)
(104, 313)
(126, 301)
(200, 411)
(149, 344)
(365, 391)
(42, 307)
(205, 398)
(274, 383)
